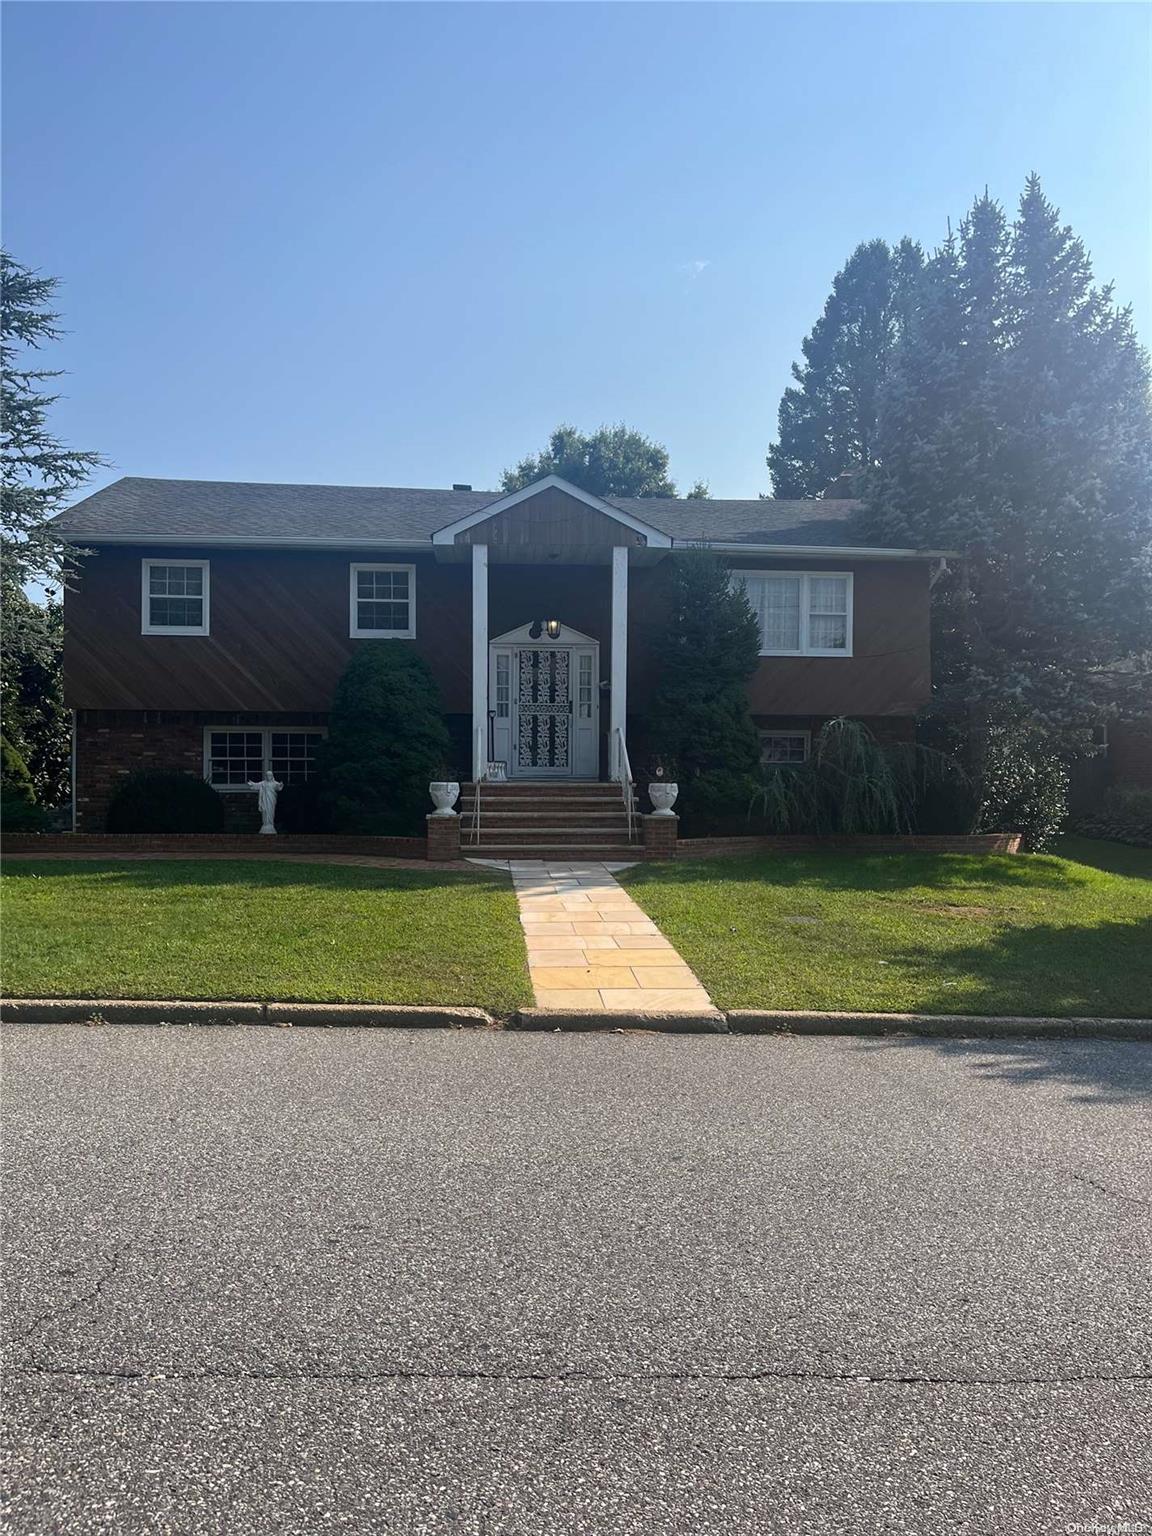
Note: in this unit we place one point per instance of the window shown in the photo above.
(503, 685)
(584, 688)
(801, 613)
(779, 748)
(174, 598)
(232, 758)
(383, 602)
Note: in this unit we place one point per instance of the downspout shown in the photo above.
(72, 769)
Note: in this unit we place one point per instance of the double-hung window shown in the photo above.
(174, 597)
(382, 602)
(234, 758)
(801, 613)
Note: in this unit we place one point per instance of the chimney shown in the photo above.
(461, 487)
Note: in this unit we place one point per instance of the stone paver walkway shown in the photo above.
(592, 949)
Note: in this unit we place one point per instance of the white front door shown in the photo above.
(545, 700)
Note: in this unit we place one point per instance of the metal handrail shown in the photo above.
(479, 745)
(624, 769)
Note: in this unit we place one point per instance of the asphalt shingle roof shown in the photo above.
(205, 509)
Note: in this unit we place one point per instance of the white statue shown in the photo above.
(267, 789)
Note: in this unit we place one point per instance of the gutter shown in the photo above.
(241, 541)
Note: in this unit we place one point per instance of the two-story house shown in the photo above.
(211, 621)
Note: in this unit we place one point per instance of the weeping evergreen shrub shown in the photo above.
(386, 741)
(851, 784)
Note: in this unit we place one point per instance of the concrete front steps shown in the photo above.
(547, 819)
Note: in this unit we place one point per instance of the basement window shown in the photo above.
(233, 758)
(779, 749)
(174, 597)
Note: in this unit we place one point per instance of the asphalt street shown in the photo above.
(308, 1281)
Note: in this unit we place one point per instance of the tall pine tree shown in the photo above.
(827, 420)
(1015, 429)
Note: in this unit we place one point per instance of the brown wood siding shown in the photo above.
(551, 521)
(279, 638)
(888, 673)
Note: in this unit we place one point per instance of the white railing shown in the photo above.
(627, 787)
(479, 765)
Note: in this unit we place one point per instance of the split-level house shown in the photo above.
(210, 622)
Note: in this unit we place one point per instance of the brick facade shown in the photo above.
(443, 838)
(660, 836)
(113, 743)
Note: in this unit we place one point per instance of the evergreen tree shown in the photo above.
(612, 461)
(1015, 429)
(37, 473)
(700, 719)
(31, 689)
(386, 741)
(827, 420)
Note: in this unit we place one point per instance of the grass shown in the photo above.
(1120, 858)
(928, 933)
(215, 929)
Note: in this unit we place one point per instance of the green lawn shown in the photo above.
(216, 929)
(930, 933)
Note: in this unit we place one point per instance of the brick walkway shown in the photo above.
(592, 949)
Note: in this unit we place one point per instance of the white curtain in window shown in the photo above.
(780, 613)
(827, 613)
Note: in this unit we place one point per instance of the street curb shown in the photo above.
(279, 1015)
(739, 1021)
(753, 1021)
(711, 1023)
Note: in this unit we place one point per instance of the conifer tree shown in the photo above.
(1015, 429)
(827, 420)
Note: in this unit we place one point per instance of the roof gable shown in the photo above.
(648, 533)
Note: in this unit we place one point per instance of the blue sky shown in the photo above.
(396, 244)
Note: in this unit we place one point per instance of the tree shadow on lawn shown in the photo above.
(1069, 970)
(1105, 1071)
(873, 872)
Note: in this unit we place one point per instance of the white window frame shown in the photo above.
(354, 630)
(805, 577)
(766, 735)
(146, 625)
(266, 732)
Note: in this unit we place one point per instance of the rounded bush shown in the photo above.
(15, 780)
(158, 801)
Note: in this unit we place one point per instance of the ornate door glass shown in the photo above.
(544, 706)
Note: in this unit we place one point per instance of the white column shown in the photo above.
(479, 659)
(619, 677)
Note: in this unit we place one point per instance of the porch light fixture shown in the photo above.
(535, 629)
(553, 628)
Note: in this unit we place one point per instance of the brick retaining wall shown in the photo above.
(981, 842)
(188, 844)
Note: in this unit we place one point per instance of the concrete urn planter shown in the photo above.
(663, 797)
(445, 794)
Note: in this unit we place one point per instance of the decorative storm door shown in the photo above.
(544, 701)
(544, 708)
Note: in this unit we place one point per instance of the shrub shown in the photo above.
(852, 784)
(386, 738)
(1023, 786)
(20, 815)
(158, 800)
(700, 717)
(15, 780)
(1124, 815)
(300, 807)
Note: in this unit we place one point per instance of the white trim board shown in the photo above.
(146, 595)
(447, 534)
(354, 599)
